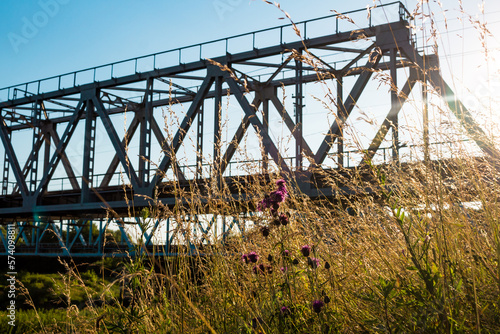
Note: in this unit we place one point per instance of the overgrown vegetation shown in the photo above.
(405, 254)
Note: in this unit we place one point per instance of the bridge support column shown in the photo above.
(394, 104)
(6, 169)
(298, 112)
(199, 142)
(37, 133)
(48, 140)
(145, 136)
(425, 121)
(265, 125)
(88, 152)
(217, 130)
(342, 116)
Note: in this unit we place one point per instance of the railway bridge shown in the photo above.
(58, 186)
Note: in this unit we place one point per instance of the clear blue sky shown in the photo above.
(75, 34)
(88, 33)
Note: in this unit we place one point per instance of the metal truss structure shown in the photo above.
(52, 112)
(94, 238)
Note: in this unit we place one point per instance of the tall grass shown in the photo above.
(410, 255)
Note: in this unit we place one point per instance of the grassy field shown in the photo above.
(420, 253)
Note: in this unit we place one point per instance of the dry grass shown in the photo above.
(409, 257)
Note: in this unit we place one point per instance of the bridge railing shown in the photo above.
(279, 35)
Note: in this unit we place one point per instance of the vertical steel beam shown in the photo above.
(217, 128)
(341, 116)
(298, 112)
(425, 121)
(37, 133)
(199, 142)
(265, 125)
(46, 157)
(6, 168)
(88, 152)
(145, 136)
(394, 103)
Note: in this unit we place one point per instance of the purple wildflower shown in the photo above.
(284, 270)
(317, 305)
(274, 199)
(253, 257)
(278, 196)
(264, 204)
(306, 250)
(286, 253)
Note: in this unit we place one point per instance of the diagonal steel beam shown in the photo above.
(166, 148)
(238, 136)
(285, 116)
(56, 157)
(14, 163)
(117, 144)
(64, 159)
(349, 104)
(463, 115)
(346, 68)
(22, 235)
(116, 160)
(78, 236)
(170, 83)
(386, 125)
(183, 129)
(256, 123)
(59, 238)
(27, 165)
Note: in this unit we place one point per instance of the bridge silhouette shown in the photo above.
(68, 215)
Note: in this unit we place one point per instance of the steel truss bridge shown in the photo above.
(47, 121)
